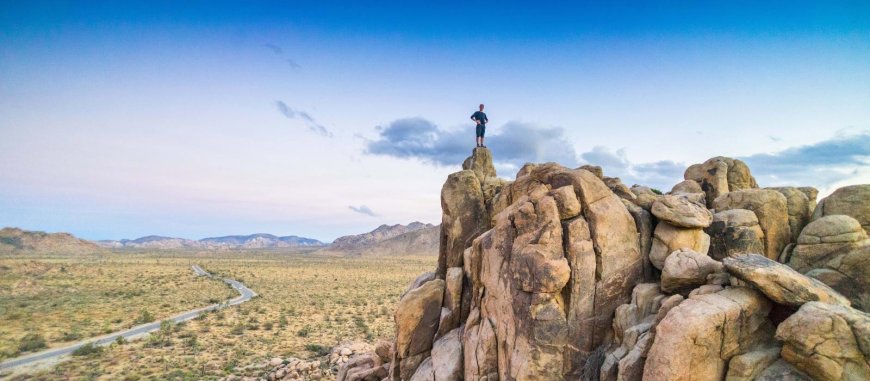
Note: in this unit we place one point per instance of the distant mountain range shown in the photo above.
(415, 238)
(253, 241)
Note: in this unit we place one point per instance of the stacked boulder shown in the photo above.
(565, 274)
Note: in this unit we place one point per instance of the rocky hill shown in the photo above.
(565, 274)
(17, 241)
(253, 241)
(415, 238)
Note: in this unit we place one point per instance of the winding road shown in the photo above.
(245, 294)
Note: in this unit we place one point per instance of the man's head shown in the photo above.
(481, 107)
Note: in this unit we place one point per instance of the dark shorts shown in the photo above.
(481, 129)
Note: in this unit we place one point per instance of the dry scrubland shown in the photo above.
(46, 302)
(306, 305)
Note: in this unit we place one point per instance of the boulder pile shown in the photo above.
(565, 274)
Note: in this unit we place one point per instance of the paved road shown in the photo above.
(245, 294)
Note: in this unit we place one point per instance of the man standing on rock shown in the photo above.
(480, 118)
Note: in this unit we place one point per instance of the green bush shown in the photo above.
(31, 342)
(317, 349)
(304, 332)
(88, 350)
(144, 317)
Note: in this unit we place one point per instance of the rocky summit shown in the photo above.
(566, 274)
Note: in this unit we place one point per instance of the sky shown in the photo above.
(321, 119)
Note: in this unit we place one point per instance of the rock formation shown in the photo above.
(566, 274)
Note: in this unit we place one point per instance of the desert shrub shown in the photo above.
(656, 191)
(31, 342)
(121, 340)
(317, 349)
(144, 317)
(238, 330)
(304, 332)
(70, 336)
(267, 326)
(282, 322)
(88, 350)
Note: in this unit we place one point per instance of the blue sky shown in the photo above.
(122, 119)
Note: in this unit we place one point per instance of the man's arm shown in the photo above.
(477, 121)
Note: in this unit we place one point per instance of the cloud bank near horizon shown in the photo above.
(823, 164)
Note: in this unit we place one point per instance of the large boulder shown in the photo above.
(668, 238)
(698, 337)
(417, 316)
(682, 212)
(464, 218)
(799, 207)
(827, 342)
(685, 270)
(853, 200)
(781, 283)
(447, 357)
(720, 175)
(835, 250)
(771, 209)
(733, 232)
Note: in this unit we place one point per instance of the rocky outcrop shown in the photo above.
(771, 210)
(780, 283)
(720, 175)
(827, 342)
(415, 238)
(698, 337)
(850, 201)
(555, 276)
(835, 250)
(733, 232)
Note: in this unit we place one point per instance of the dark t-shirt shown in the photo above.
(479, 115)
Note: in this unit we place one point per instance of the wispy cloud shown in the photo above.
(312, 124)
(362, 209)
(275, 49)
(280, 52)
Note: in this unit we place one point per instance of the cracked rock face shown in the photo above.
(827, 342)
(733, 232)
